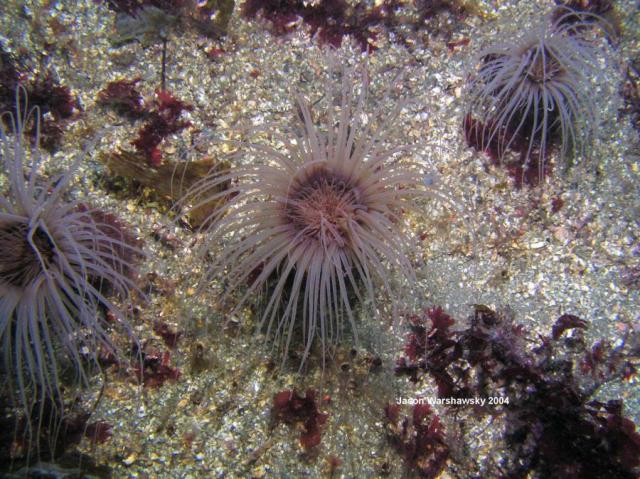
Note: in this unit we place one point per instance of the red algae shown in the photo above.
(553, 427)
(566, 322)
(420, 439)
(329, 21)
(156, 368)
(292, 408)
(162, 121)
(168, 333)
(123, 98)
(56, 104)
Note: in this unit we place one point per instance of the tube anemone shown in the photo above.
(534, 93)
(58, 260)
(319, 223)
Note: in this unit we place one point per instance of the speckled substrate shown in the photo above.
(500, 251)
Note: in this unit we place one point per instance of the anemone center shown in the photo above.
(544, 65)
(322, 205)
(20, 261)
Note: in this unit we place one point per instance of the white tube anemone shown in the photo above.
(320, 223)
(58, 261)
(534, 93)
